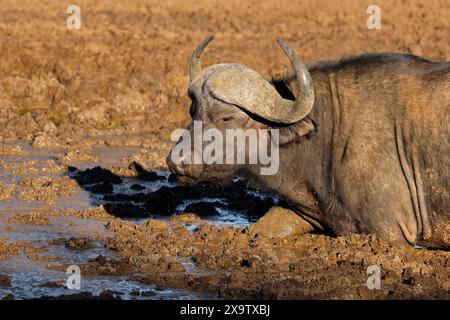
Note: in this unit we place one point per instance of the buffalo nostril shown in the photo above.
(182, 166)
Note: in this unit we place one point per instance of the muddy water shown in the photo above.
(39, 267)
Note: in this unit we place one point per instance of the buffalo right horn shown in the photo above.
(304, 100)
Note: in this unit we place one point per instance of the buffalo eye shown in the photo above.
(227, 119)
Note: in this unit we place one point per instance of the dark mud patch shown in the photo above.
(142, 193)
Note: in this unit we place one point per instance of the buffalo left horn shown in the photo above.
(195, 66)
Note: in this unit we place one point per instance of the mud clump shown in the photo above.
(44, 140)
(33, 218)
(146, 156)
(79, 243)
(5, 281)
(43, 214)
(280, 223)
(96, 212)
(100, 266)
(78, 155)
(7, 249)
(6, 191)
(46, 188)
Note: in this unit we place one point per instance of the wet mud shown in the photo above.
(162, 239)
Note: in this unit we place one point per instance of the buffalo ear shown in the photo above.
(296, 131)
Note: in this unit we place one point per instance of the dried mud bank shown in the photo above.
(125, 70)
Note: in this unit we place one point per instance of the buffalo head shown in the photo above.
(232, 96)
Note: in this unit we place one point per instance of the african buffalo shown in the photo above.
(364, 141)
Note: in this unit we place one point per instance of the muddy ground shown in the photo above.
(85, 123)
